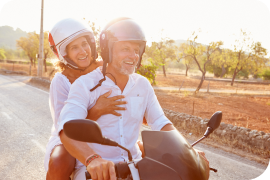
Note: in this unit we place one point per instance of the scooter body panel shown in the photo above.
(150, 169)
(172, 149)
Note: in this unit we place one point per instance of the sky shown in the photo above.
(217, 19)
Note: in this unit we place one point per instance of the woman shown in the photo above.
(74, 45)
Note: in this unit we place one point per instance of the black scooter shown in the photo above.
(168, 155)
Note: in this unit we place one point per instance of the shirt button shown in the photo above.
(122, 154)
(121, 135)
(121, 117)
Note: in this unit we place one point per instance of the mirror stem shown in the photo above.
(129, 154)
(208, 131)
(198, 141)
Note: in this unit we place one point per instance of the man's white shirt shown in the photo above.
(124, 129)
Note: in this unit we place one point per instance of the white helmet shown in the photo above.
(64, 32)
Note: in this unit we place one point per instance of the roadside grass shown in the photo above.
(186, 93)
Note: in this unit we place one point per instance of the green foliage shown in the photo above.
(30, 45)
(96, 31)
(215, 69)
(12, 54)
(247, 56)
(243, 73)
(49, 63)
(266, 74)
(186, 93)
(161, 52)
(148, 71)
(202, 55)
(257, 75)
(2, 54)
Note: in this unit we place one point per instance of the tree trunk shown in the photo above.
(187, 69)
(164, 72)
(30, 68)
(34, 63)
(234, 75)
(223, 71)
(201, 83)
(45, 65)
(31, 60)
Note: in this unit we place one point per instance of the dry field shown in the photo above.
(26, 68)
(242, 110)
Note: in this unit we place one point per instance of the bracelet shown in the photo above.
(90, 158)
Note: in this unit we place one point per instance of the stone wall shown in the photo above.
(253, 141)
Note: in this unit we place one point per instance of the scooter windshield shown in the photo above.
(173, 151)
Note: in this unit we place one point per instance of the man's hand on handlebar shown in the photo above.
(101, 169)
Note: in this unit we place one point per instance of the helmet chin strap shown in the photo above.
(103, 79)
(71, 64)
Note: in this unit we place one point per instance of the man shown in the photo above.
(122, 45)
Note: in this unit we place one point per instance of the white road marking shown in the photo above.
(6, 115)
(39, 145)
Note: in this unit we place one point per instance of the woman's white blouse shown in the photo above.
(59, 90)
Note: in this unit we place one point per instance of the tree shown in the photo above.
(258, 57)
(149, 71)
(150, 63)
(47, 50)
(2, 54)
(202, 55)
(246, 55)
(166, 52)
(188, 61)
(30, 45)
(96, 32)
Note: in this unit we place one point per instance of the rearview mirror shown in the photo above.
(213, 123)
(86, 130)
(83, 130)
(215, 120)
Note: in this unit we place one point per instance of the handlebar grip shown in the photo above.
(122, 171)
(87, 175)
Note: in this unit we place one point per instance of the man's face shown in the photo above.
(125, 57)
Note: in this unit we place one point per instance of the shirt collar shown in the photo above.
(130, 83)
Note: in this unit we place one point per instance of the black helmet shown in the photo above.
(120, 29)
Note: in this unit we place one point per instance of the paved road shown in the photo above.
(25, 124)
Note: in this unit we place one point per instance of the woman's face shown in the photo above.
(79, 51)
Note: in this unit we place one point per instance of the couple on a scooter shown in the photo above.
(119, 112)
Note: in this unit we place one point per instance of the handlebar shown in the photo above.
(121, 169)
